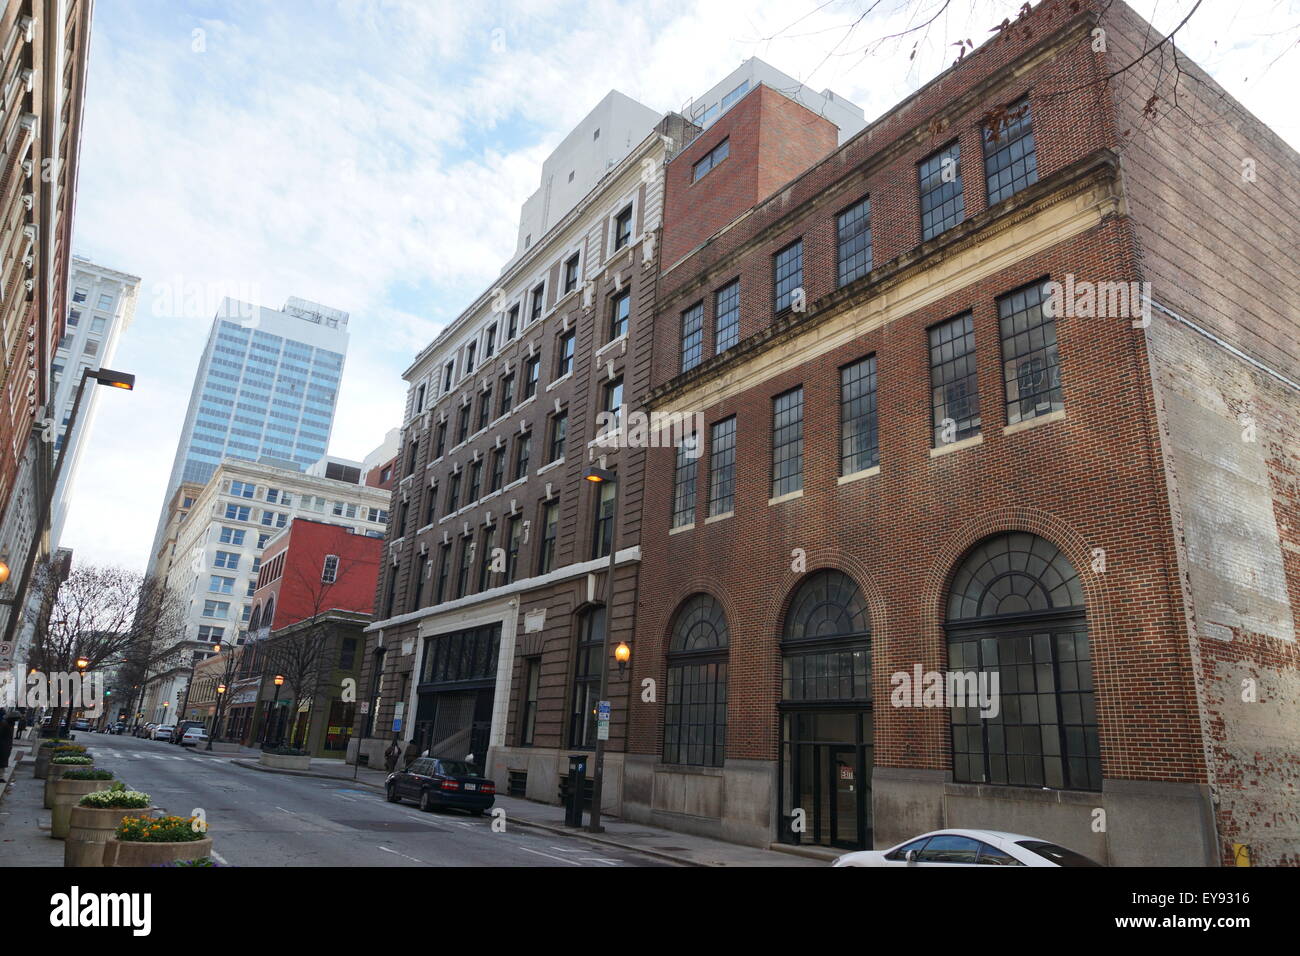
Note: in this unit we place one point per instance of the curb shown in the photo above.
(305, 773)
(518, 821)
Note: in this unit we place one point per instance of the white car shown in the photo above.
(969, 848)
(163, 732)
(193, 737)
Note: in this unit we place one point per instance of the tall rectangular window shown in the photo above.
(444, 568)
(620, 307)
(523, 448)
(1031, 365)
(462, 424)
(484, 408)
(466, 562)
(441, 445)
(475, 481)
(692, 336)
(684, 474)
(1010, 161)
(787, 273)
(430, 504)
(955, 404)
(536, 303)
(942, 204)
(532, 371)
(507, 394)
(453, 492)
(550, 532)
(512, 322)
(490, 342)
(722, 466)
(528, 719)
(469, 357)
(623, 228)
(559, 425)
(564, 354)
(853, 241)
(417, 582)
(514, 538)
(498, 468)
(603, 531)
(613, 405)
(726, 311)
(571, 273)
(859, 446)
(485, 559)
(787, 442)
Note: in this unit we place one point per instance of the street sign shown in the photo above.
(602, 720)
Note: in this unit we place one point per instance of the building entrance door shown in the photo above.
(826, 778)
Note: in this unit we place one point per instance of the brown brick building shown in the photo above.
(945, 436)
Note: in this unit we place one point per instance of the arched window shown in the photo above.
(268, 615)
(695, 717)
(252, 621)
(826, 640)
(1020, 668)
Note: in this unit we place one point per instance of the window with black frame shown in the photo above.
(726, 313)
(695, 712)
(498, 468)
(462, 424)
(444, 569)
(485, 557)
(722, 467)
(523, 451)
(513, 540)
(685, 472)
(954, 385)
(942, 203)
(787, 443)
(603, 527)
(586, 678)
(528, 717)
(559, 427)
(620, 307)
(787, 275)
(550, 536)
(826, 641)
(466, 562)
(853, 241)
(1031, 363)
(692, 336)
(1010, 160)
(1016, 610)
(859, 438)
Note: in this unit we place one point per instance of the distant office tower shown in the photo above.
(101, 306)
(265, 390)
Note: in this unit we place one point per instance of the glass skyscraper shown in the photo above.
(265, 389)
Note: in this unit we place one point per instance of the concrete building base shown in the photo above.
(735, 802)
(545, 768)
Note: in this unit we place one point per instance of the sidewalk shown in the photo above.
(670, 845)
(24, 822)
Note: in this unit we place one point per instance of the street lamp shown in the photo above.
(278, 681)
(622, 654)
(103, 376)
(600, 476)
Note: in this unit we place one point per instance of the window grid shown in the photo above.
(692, 336)
(853, 234)
(942, 203)
(859, 438)
(787, 274)
(1031, 364)
(722, 467)
(1010, 160)
(620, 307)
(727, 314)
(787, 442)
(953, 384)
(684, 474)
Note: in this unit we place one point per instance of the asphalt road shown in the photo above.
(268, 819)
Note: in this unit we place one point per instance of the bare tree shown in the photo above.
(87, 619)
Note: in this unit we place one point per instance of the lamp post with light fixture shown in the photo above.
(103, 376)
(600, 476)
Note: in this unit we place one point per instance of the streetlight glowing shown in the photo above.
(82, 663)
(4, 571)
(106, 376)
(598, 475)
(221, 688)
(279, 680)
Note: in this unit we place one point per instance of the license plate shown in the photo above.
(471, 786)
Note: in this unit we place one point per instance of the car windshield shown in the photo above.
(455, 768)
(1057, 854)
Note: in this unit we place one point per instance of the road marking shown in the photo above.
(550, 857)
(395, 853)
(598, 859)
(286, 811)
(218, 857)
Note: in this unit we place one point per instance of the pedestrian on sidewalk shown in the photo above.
(412, 751)
(7, 723)
(393, 752)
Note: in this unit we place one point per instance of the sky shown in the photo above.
(372, 155)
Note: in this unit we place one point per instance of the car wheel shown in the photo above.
(390, 794)
(426, 804)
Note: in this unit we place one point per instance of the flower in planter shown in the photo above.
(87, 775)
(118, 798)
(168, 829)
(56, 742)
(201, 861)
(73, 760)
(67, 750)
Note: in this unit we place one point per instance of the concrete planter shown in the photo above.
(90, 829)
(129, 853)
(285, 762)
(52, 774)
(67, 794)
(221, 747)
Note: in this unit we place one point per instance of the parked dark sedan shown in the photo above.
(434, 782)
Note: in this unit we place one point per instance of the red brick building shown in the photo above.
(947, 441)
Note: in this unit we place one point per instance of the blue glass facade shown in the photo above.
(262, 394)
